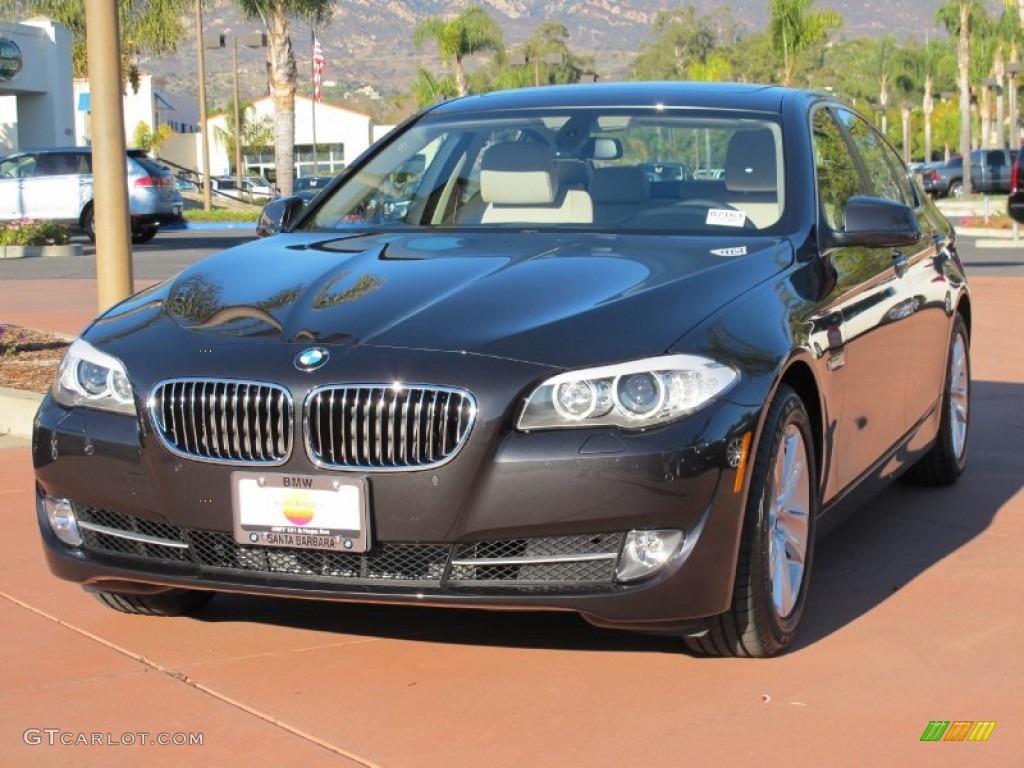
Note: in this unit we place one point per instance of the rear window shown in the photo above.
(152, 167)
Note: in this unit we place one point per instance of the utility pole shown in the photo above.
(204, 139)
(110, 183)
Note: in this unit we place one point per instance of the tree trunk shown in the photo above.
(963, 57)
(460, 77)
(905, 116)
(986, 118)
(1000, 126)
(282, 90)
(928, 106)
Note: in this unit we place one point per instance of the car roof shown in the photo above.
(131, 151)
(741, 96)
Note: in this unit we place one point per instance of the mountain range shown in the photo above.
(369, 42)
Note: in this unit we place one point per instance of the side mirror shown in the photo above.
(876, 222)
(277, 215)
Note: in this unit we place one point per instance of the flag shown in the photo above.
(319, 64)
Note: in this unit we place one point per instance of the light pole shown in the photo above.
(1012, 70)
(204, 139)
(252, 40)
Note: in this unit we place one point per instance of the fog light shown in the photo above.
(647, 551)
(61, 515)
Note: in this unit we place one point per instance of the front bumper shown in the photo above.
(553, 507)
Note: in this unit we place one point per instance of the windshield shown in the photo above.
(658, 170)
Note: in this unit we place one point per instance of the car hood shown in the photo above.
(563, 300)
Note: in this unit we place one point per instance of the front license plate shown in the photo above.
(176, 209)
(303, 511)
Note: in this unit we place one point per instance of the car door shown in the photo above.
(54, 190)
(12, 172)
(865, 344)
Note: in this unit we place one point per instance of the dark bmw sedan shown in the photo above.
(498, 364)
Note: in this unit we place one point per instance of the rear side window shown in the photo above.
(62, 164)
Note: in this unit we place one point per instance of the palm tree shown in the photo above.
(955, 15)
(472, 31)
(257, 132)
(154, 27)
(794, 28)
(275, 15)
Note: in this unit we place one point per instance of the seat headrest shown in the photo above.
(516, 173)
(619, 184)
(750, 162)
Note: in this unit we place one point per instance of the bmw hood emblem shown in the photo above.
(311, 359)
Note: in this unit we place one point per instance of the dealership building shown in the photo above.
(42, 105)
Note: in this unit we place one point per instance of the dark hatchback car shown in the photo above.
(543, 383)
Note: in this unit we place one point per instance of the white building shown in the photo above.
(341, 136)
(36, 106)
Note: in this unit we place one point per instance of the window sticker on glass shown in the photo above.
(720, 217)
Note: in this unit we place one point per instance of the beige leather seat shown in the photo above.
(752, 176)
(619, 192)
(519, 184)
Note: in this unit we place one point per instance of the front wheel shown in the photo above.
(777, 542)
(173, 602)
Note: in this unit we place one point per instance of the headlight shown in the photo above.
(92, 379)
(638, 394)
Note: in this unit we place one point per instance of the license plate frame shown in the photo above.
(318, 512)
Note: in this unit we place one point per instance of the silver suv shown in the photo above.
(56, 184)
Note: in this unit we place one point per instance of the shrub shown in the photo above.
(34, 232)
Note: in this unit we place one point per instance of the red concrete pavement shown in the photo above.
(914, 615)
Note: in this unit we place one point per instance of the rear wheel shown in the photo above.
(956, 189)
(945, 462)
(174, 602)
(777, 542)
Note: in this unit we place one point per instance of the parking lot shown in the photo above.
(914, 613)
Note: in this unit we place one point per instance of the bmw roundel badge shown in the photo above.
(311, 359)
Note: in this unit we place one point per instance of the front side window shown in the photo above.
(675, 171)
(885, 170)
(838, 178)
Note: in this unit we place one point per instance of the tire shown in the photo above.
(174, 602)
(956, 189)
(776, 551)
(945, 462)
(89, 222)
(144, 235)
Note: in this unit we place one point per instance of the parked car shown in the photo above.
(991, 170)
(990, 174)
(307, 187)
(944, 179)
(1015, 202)
(254, 189)
(57, 184)
(518, 393)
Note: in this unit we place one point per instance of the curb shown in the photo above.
(18, 411)
(210, 225)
